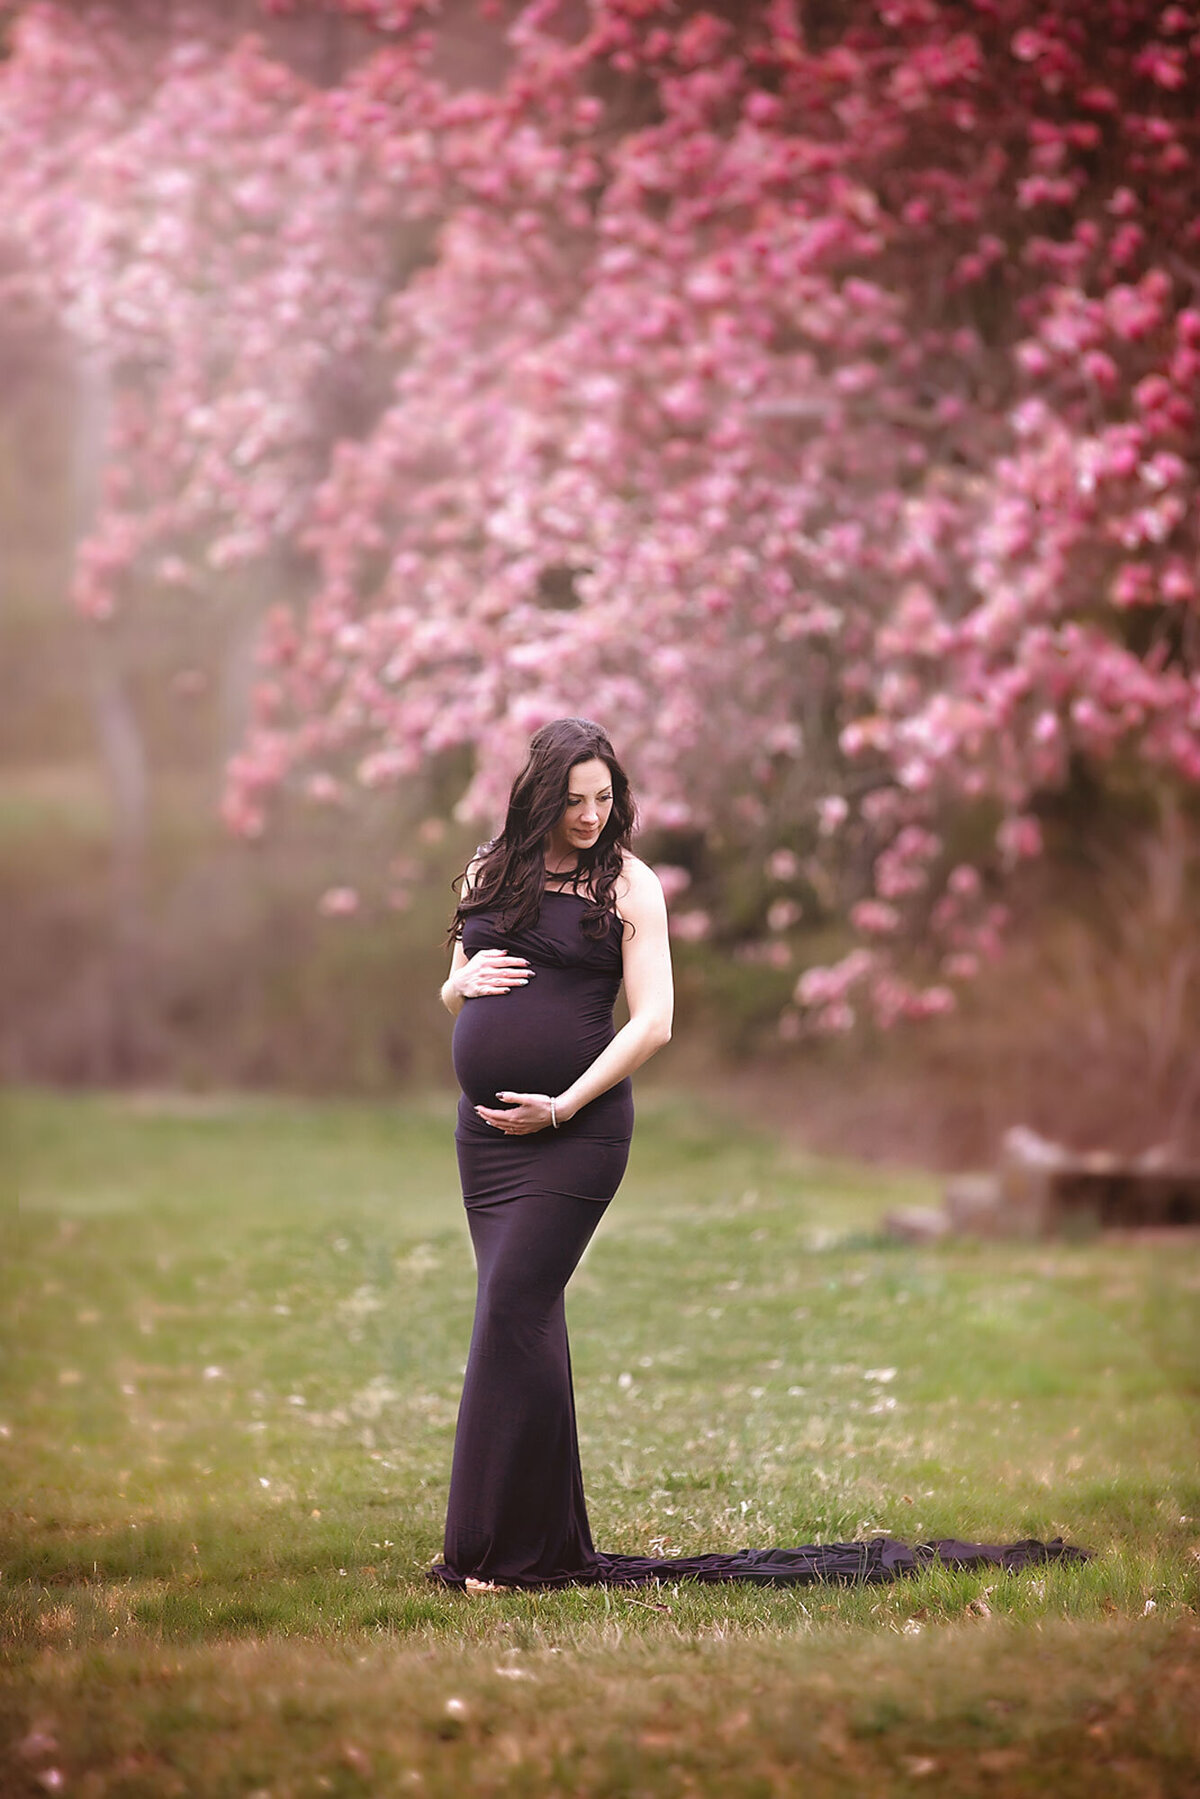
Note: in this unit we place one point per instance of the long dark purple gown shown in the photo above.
(516, 1512)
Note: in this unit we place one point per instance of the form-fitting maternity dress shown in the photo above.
(516, 1513)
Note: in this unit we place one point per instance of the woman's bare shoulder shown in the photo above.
(637, 879)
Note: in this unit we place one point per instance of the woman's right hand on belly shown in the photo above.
(491, 971)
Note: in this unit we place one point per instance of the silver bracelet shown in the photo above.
(553, 1113)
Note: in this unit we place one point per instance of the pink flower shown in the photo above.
(1133, 312)
(832, 812)
(933, 1002)
(1133, 585)
(1019, 838)
(1162, 64)
(1100, 368)
(782, 914)
(1152, 392)
(839, 1017)
(691, 927)
(338, 902)
(1178, 582)
(323, 789)
(964, 881)
(674, 880)
(875, 918)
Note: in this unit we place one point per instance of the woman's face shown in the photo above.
(589, 802)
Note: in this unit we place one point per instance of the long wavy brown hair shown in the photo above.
(508, 875)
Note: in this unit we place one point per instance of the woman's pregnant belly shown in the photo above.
(532, 1039)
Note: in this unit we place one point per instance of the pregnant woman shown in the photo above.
(554, 914)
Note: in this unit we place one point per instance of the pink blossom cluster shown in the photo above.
(818, 411)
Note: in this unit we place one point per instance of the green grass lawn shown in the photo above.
(233, 1336)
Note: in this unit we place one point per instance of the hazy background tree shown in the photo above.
(807, 391)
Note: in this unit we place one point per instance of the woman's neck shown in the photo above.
(560, 862)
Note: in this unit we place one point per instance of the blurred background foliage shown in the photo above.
(142, 945)
(175, 955)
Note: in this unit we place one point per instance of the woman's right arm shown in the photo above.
(452, 995)
(487, 971)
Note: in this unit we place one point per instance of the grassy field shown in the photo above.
(233, 1334)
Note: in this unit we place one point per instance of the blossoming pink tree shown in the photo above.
(808, 392)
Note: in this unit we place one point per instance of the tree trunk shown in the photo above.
(122, 747)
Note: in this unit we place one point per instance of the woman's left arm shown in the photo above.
(649, 992)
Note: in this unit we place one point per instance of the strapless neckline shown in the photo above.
(572, 893)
